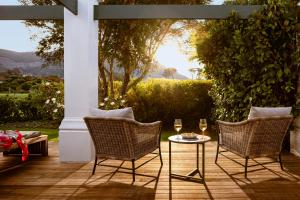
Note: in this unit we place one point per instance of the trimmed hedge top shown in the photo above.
(165, 100)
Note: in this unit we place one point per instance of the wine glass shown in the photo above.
(202, 126)
(177, 126)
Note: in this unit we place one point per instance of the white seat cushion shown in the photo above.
(269, 111)
(117, 113)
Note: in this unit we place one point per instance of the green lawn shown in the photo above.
(52, 133)
(49, 128)
(15, 95)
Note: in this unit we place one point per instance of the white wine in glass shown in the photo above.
(202, 126)
(177, 126)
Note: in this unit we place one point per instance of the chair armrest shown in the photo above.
(146, 137)
(234, 136)
(153, 128)
(146, 132)
(232, 123)
(153, 124)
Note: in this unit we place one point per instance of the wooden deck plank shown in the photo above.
(47, 178)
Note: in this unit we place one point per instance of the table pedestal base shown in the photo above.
(189, 177)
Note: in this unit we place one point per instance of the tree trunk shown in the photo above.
(111, 79)
(125, 81)
(103, 78)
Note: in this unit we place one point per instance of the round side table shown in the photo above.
(190, 176)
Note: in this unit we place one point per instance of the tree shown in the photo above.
(252, 62)
(125, 44)
(50, 46)
(169, 72)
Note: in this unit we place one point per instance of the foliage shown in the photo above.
(128, 45)
(17, 109)
(110, 103)
(155, 99)
(15, 95)
(16, 83)
(49, 97)
(45, 102)
(165, 100)
(7, 108)
(50, 46)
(252, 62)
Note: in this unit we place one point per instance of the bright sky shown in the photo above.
(171, 54)
(15, 36)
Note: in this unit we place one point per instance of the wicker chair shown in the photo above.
(123, 139)
(256, 137)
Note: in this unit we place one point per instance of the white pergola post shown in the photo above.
(80, 80)
(295, 135)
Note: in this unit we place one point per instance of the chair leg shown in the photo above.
(95, 164)
(133, 171)
(246, 165)
(160, 157)
(217, 154)
(280, 161)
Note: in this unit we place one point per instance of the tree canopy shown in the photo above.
(128, 45)
(252, 62)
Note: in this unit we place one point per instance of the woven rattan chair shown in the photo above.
(123, 139)
(256, 137)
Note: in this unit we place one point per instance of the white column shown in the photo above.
(295, 135)
(81, 82)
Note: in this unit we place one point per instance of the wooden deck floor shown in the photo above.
(47, 178)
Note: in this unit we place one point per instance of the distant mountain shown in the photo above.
(2, 69)
(159, 70)
(30, 64)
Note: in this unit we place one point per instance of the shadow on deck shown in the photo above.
(47, 178)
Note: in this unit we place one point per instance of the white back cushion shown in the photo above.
(269, 111)
(117, 113)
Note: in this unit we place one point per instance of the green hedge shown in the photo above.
(253, 62)
(33, 106)
(18, 109)
(165, 100)
(155, 99)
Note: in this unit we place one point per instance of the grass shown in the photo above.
(50, 128)
(52, 133)
(15, 95)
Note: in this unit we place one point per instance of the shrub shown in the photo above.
(48, 98)
(45, 102)
(8, 109)
(165, 100)
(110, 103)
(155, 99)
(252, 62)
(18, 109)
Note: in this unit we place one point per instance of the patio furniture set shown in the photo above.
(123, 138)
(117, 135)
